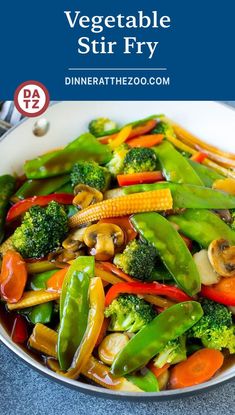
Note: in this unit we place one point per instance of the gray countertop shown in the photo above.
(23, 391)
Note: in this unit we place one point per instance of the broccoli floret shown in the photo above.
(115, 166)
(174, 352)
(42, 230)
(129, 313)
(138, 260)
(91, 174)
(215, 328)
(165, 128)
(140, 159)
(100, 126)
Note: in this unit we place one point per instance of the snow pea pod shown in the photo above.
(152, 338)
(203, 226)
(145, 380)
(175, 167)
(85, 147)
(157, 231)
(207, 175)
(41, 313)
(41, 187)
(74, 307)
(188, 195)
(7, 186)
(38, 281)
(66, 188)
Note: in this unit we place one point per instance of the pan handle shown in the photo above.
(9, 116)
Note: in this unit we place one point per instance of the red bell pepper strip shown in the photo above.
(199, 157)
(19, 333)
(149, 140)
(138, 178)
(137, 131)
(13, 277)
(145, 288)
(24, 205)
(223, 292)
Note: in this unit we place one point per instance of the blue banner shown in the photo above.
(119, 50)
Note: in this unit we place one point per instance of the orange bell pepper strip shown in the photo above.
(199, 157)
(122, 136)
(139, 178)
(13, 276)
(148, 140)
(94, 324)
(137, 131)
(198, 368)
(55, 282)
(223, 292)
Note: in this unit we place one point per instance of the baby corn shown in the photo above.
(31, 298)
(156, 200)
(44, 340)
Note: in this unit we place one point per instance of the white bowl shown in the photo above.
(212, 122)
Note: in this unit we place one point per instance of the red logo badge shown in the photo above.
(31, 98)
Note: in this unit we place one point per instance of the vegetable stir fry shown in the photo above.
(118, 256)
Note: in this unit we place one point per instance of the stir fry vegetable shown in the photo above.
(74, 309)
(117, 257)
(173, 252)
(145, 344)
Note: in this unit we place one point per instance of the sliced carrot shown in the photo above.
(116, 271)
(55, 282)
(198, 368)
(199, 157)
(125, 224)
(157, 371)
(137, 131)
(138, 178)
(149, 140)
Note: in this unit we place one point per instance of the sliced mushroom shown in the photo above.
(222, 257)
(207, 273)
(63, 256)
(102, 238)
(111, 345)
(86, 196)
(75, 240)
(224, 214)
